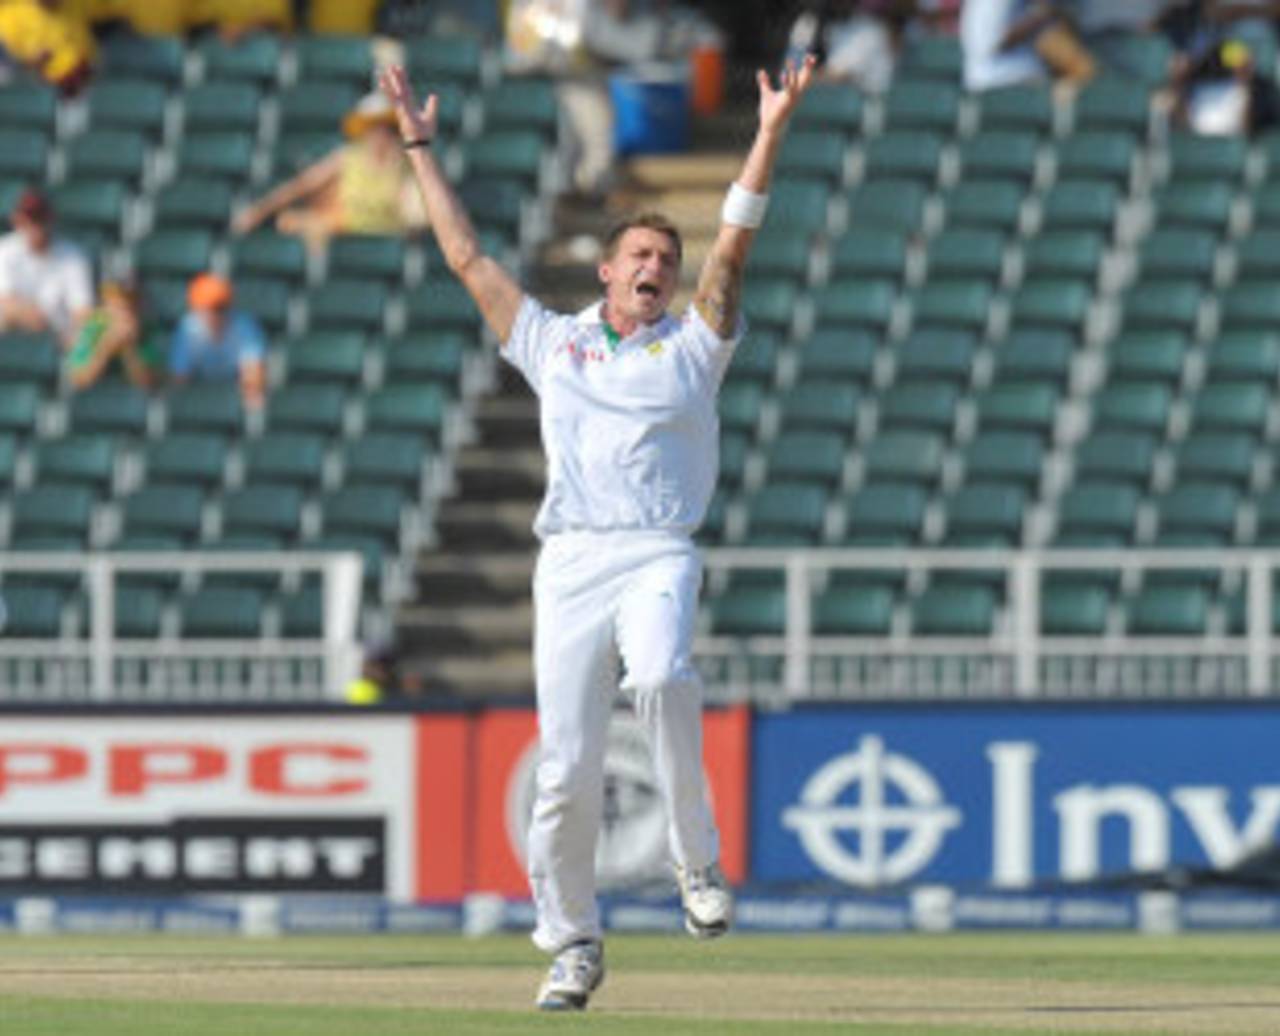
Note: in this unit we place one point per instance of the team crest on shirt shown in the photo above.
(655, 348)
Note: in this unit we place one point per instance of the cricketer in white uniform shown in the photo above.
(628, 421)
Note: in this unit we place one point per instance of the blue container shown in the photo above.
(651, 110)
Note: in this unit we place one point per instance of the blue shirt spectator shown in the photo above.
(215, 342)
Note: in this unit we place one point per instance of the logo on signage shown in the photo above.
(887, 803)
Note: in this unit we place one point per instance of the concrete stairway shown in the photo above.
(468, 631)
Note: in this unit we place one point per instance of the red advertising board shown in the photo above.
(633, 841)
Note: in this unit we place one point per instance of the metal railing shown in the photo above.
(1017, 658)
(91, 662)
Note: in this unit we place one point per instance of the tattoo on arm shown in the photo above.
(719, 295)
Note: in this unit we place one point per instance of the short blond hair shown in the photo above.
(643, 221)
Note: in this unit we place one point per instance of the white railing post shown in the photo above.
(102, 609)
(796, 674)
(1025, 591)
(1258, 624)
(342, 575)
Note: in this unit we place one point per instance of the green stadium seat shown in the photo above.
(953, 304)
(751, 612)
(348, 302)
(1114, 103)
(30, 357)
(24, 154)
(1019, 406)
(1268, 516)
(853, 611)
(203, 202)
(1250, 305)
(1169, 252)
(1196, 507)
(1169, 611)
(867, 252)
(786, 513)
(799, 206)
(782, 254)
(19, 406)
(1073, 610)
(1258, 255)
(1133, 405)
(496, 205)
(516, 154)
(936, 353)
(1017, 107)
(1126, 456)
(206, 406)
(336, 356)
(1216, 457)
(756, 359)
(999, 457)
(173, 253)
(1099, 507)
(1245, 355)
(364, 510)
(132, 104)
(194, 457)
(1035, 354)
(152, 57)
(53, 509)
(912, 456)
(1193, 156)
(928, 405)
(274, 508)
(106, 154)
(739, 405)
(28, 105)
(372, 550)
(1194, 203)
(456, 58)
(295, 149)
(1163, 304)
(440, 305)
(428, 356)
(907, 155)
(1148, 355)
(735, 451)
(338, 57)
(854, 303)
(523, 102)
(389, 457)
(313, 408)
(814, 154)
(88, 460)
(367, 255)
(955, 610)
(966, 252)
(1231, 406)
(839, 354)
(990, 509)
(33, 612)
(316, 105)
(95, 204)
(302, 612)
(1053, 303)
(224, 155)
(1075, 254)
(139, 611)
(807, 456)
(920, 104)
(220, 611)
(894, 510)
(269, 253)
(110, 407)
(820, 405)
(267, 299)
(1081, 205)
(8, 458)
(834, 107)
(1266, 205)
(1102, 154)
(770, 304)
(254, 58)
(1145, 56)
(890, 203)
(416, 408)
(933, 56)
(1000, 154)
(285, 458)
(167, 510)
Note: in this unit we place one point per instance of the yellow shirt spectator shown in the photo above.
(56, 44)
(343, 17)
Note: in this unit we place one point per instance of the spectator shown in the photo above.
(215, 342)
(857, 41)
(363, 187)
(55, 44)
(1007, 42)
(1221, 93)
(45, 284)
(114, 331)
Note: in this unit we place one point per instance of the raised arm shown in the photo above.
(496, 293)
(719, 294)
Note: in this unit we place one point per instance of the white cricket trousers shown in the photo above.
(610, 605)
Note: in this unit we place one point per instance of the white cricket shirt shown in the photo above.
(630, 431)
(57, 280)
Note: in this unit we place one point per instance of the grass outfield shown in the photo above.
(909, 985)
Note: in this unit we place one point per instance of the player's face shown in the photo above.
(642, 275)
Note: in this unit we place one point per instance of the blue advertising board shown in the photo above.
(1006, 797)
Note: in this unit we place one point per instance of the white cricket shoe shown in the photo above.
(574, 975)
(708, 903)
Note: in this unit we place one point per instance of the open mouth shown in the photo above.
(649, 291)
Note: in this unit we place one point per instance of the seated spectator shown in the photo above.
(855, 40)
(363, 187)
(45, 283)
(215, 342)
(115, 332)
(54, 43)
(1007, 42)
(1221, 93)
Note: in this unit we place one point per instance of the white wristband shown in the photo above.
(744, 208)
